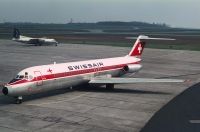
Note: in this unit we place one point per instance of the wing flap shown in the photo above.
(131, 80)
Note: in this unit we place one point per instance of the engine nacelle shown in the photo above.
(132, 68)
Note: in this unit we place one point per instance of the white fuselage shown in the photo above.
(56, 76)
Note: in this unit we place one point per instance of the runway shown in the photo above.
(144, 107)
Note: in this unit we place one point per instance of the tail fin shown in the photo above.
(138, 47)
(16, 33)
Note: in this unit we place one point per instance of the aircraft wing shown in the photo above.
(130, 80)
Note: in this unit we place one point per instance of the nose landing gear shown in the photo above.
(18, 100)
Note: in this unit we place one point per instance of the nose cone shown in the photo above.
(5, 91)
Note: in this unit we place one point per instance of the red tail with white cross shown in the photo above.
(138, 47)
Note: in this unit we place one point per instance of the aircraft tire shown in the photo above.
(18, 100)
(110, 86)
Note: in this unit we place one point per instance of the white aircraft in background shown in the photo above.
(100, 71)
(36, 41)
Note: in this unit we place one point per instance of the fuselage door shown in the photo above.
(39, 78)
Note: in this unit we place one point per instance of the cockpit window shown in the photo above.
(17, 78)
(21, 76)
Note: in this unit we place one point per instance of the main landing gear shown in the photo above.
(110, 86)
(18, 100)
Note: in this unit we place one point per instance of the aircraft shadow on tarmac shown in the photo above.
(4, 100)
(33, 45)
(182, 114)
(117, 90)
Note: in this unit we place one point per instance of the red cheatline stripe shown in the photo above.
(72, 73)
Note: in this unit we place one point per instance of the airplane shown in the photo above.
(106, 71)
(36, 41)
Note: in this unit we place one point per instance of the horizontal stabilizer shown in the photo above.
(143, 37)
(130, 80)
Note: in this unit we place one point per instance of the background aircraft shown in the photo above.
(36, 41)
(99, 72)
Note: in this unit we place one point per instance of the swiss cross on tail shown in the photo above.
(138, 47)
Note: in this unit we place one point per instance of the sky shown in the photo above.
(176, 13)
